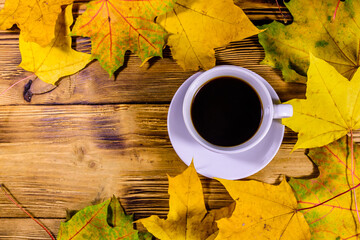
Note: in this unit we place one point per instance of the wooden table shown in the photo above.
(93, 137)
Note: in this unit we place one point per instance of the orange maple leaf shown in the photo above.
(118, 26)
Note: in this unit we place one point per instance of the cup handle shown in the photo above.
(282, 111)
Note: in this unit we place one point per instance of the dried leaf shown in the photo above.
(328, 201)
(196, 27)
(331, 108)
(118, 26)
(35, 18)
(106, 220)
(187, 217)
(336, 41)
(57, 59)
(264, 211)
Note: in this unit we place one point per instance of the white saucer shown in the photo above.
(212, 164)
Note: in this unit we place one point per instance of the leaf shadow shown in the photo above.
(150, 63)
(70, 213)
(125, 64)
(316, 172)
(166, 54)
(211, 190)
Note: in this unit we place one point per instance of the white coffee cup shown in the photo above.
(270, 111)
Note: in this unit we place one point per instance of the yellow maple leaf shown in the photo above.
(196, 27)
(57, 59)
(188, 218)
(262, 211)
(331, 108)
(35, 18)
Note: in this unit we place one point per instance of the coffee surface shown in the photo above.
(226, 111)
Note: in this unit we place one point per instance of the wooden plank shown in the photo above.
(263, 11)
(54, 158)
(157, 81)
(59, 157)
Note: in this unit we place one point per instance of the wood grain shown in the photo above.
(157, 81)
(54, 158)
(95, 136)
(15, 228)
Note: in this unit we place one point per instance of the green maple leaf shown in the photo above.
(117, 26)
(328, 202)
(335, 41)
(106, 220)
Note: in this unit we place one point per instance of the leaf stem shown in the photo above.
(353, 171)
(337, 7)
(8, 195)
(350, 189)
(21, 80)
(278, 5)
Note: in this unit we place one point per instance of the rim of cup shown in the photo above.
(255, 81)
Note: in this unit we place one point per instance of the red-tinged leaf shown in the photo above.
(118, 26)
(330, 202)
(262, 211)
(103, 221)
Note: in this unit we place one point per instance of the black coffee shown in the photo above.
(226, 111)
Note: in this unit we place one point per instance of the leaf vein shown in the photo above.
(88, 222)
(331, 96)
(322, 119)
